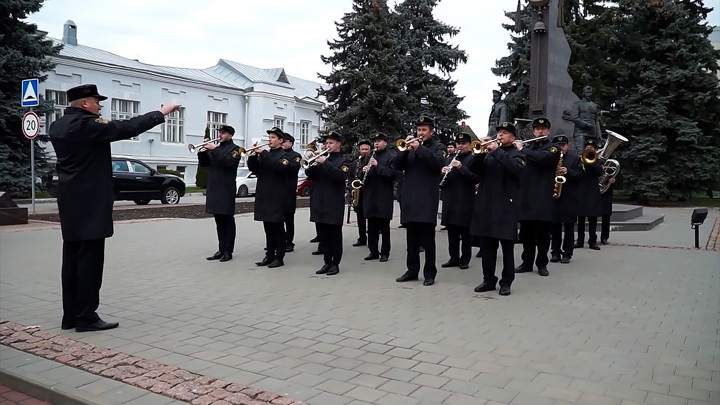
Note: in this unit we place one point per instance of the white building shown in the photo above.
(250, 99)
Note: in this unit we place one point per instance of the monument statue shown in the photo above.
(586, 116)
(498, 114)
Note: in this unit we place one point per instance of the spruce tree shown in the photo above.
(24, 54)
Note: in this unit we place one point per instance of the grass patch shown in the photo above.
(189, 190)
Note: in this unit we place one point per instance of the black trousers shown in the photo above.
(362, 225)
(563, 246)
(605, 228)
(377, 227)
(274, 239)
(225, 225)
(489, 248)
(421, 234)
(456, 235)
(592, 234)
(535, 235)
(289, 228)
(331, 242)
(82, 271)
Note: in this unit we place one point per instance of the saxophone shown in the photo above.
(356, 184)
(559, 178)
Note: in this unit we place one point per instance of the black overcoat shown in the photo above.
(459, 193)
(377, 190)
(497, 203)
(222, 171)
(291, 179)
(272, 168)
(85, 197)
(537, 180)
(565, 208)
(606, 201)
(420, 191)
(327, 201)
(590, 204)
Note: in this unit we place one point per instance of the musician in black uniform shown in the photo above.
(421, 162)
(272, 168)
(565, 207)
(364, 147)
(290, 188)
(537, 182)
(327, 202)
(458, 190)
(377, 197)
(81, 139)
(590, 204)
(606, 207)
(497, 206)
(451, 150)
(222, 160)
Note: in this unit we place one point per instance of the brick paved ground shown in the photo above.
(12, 397)
(622, 326)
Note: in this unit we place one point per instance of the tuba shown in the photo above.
(611, 167)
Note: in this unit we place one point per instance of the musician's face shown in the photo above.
(425, 131)
(590, 147)
(380, 144)
(286, 144)
(464, 147)
(333, 145)
(274, 141)
(564, 148)
(506, 137)
(224, 136)
(364, 150)
(450, 149)
(541, 131)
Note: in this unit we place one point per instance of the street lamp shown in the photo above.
(697, 219)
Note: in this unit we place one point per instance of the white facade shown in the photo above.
(249, 99)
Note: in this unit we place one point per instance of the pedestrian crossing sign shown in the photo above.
(29, 97)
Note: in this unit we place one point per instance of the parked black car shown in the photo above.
(135, 181)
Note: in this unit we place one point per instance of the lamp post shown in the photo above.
(697, 219)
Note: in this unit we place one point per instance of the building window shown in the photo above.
(280, 122)
(60, 100)
(304, 132)
(215, 120)
(160, 167)
(124, 110)
(181, 169)
(173, 131)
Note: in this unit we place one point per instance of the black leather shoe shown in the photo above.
(333, 270)
(603, 241)
(276, 263)
(315, 240)
(484, 287)
(372, 256)
(324, 269)
(67, 325)
(479, 253)
(579, 245)
(401, 226)
(543, 271)
(505, 290)
(317, 253)
(450, 263)
(265, 261)
(565, 260)
(406, 277)
(428, 282)
(99, 325)
(555, 258)
(360, 243)
(594, 246)
(523, 269)
(289, 248)
(226, 257)
(215, 255)
(383, 258)
(464, 266)
(422, 249)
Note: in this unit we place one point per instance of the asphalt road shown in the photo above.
(50, 206)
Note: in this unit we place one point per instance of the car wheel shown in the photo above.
(305, 191)
(170, 196)
(142, 202)
(242, 191)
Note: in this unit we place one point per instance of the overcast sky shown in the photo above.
(291, 34)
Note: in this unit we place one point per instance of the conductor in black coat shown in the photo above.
(222, 162)
(327, 202)
(272, 168)
(497, 206)
(290, 190)
(422, 162)
(458, 192)
(81, 139)
(537, 182)
(377, 197)
(590, 201)
(566, 204)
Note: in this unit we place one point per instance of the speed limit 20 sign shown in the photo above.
(30, 125)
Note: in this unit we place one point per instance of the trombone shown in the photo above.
(200, 147)
(402, 144)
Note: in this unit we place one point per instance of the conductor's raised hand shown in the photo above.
(169, 107)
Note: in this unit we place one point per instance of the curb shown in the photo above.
(46, 390)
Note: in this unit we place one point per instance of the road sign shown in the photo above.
(29, 97)
(30, 125)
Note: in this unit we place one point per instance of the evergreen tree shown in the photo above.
(516, 66)
(365, 93)
(24, 54)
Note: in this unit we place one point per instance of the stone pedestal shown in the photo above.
(10, 213)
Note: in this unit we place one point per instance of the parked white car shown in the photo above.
(245, 182)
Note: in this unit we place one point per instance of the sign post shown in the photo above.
(31, 125)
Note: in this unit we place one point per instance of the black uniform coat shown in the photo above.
(565, 208)
(459, 193)
(85, 197)
(420, 192)
(377, 190)
(327, 201)
(357, 166)
(538, 180)
(222, 172)
(291, 179)
(272, 169)
(590, 205)
(497, 203)
(606, 201)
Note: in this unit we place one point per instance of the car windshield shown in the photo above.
(243, 172)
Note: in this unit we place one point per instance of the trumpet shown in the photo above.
(589, 157)
(478, 147)
(199, 147)
(252, 151)
(402, 144)
(311, 161)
